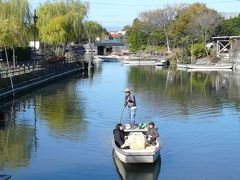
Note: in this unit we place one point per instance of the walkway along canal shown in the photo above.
(27, 77)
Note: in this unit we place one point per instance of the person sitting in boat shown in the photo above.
(130, 102)
(152, 134)
(119, 136)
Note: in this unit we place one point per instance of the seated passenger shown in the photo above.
(119, 135)
(152, 134)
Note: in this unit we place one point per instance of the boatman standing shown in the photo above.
(130, 102)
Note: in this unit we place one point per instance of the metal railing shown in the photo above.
(18, 70)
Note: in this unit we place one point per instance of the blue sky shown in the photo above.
(114, 14)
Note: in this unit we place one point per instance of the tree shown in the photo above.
(229, 27)
(93, 30)
(181, 27)
(15, 22)
(138, 35)
(204, 25)
(160, 19)
(61, 22)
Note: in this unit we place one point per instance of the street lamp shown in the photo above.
(35, 19)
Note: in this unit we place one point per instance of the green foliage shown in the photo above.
(198, 50)
(55, 31)
(180, 56)
(229, 27)
(176, 31)
(155, 49)
(137, 40)
(93, 30)
(61, 22)
(15, 21)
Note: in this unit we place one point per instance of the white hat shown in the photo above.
(127, 90)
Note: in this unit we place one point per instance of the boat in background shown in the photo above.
(97, 59)
(139, 62)
(205, 66)
(210, 66)
(163, 62)
(108, 58)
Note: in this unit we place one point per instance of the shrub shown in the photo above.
(198, 50)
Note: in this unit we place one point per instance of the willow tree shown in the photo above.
(93, 30)
(15, 21)
(61, 22)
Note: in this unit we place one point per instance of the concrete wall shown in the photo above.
(34, 79)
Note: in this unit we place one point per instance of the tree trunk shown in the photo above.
(64, 48)
(89, 42)
(167, 42)
(10, 76)
(14, 57)
(206, 50)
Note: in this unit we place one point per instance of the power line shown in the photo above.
(150, 5)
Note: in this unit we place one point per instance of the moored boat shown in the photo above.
(210, 66)
(149, 154)
(140, 62)
(205, 66)
(163, 62)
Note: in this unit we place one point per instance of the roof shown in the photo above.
(226, 37)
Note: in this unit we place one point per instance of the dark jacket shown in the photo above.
(130, 101)
(153, 132)
(119, 137)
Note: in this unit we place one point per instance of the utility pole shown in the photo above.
(35, 18)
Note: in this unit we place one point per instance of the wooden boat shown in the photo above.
(137, 171)
(140, 62)
(147, 155)
(210, 66)
(205, 66)
(108, 58)
(208, 70)
(163, 62)
(182, 65)
(97, 59)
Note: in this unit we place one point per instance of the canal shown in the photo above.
(64, 130)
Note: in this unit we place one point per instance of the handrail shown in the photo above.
(18, 70)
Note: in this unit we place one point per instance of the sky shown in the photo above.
(114, 14)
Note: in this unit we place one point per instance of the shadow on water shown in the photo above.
(137, 171)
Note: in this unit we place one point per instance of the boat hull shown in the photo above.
(199, 66)
(140, 156)
(137, 159)
(209, 66)
(141, 62)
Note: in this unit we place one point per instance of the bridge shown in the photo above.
(106, 47)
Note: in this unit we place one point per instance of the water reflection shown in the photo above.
(61, 107)
(188, 92)
(17, 143)
(58, 105)
(137, 171)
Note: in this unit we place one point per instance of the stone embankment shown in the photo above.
(25, 78)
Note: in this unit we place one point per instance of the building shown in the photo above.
(229, 15)
(116, 34)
